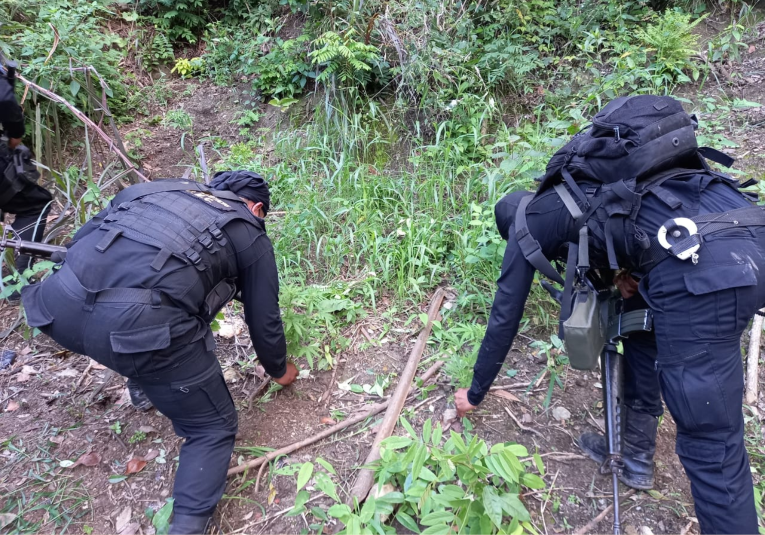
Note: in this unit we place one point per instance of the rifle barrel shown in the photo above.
(44, 250)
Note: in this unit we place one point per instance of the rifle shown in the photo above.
(40, 250)
(600, 322)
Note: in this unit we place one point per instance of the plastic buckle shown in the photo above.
(193, 257)
(206, 241)
(692, 229)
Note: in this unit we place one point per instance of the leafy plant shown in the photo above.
(672, 42)
(188, 68)
(439, 486)
(343, 58)
(181, 20)
(285, 70)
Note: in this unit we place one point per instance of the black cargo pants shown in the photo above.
(694, 360)
(159, 347)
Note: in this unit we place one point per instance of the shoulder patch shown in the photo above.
(212, 200)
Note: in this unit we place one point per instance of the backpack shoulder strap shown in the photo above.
(530, 247)
(147, 188)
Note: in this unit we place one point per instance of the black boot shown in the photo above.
(137, 397)
(638, 450)
(188, 525)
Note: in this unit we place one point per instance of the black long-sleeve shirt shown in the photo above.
(126, 265)
(11, 115)
(551, 224)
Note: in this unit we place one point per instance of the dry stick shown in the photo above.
(85, 119)
(592, 524)
(365, 478)
(374, 409)
(521, 426)
(753, 359)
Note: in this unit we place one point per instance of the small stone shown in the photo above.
(645, 530)
(561, 413)
(661, 525)
(580, 382)
(629, 529)
(526, 418)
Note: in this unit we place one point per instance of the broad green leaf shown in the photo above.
(513, 506)
(391, 497)
(409, 429)
(116, 478)
(66, 463)
(438, 529)
(492, 504)
(407, 521)
(339, 511)
(539, 463)
(532, 481)
(436, 438)
(300, 500)
(326, 485)
(368, 510)
(396, 442)
(426, 429)
(319, 513)
(328, 467)
(427, 475)
(517, 450)
(458, 442)
(74, 87)
(306, 471)
(454, 492)
(419, 460)
(486, 524)
(161, 519)
(437, 517)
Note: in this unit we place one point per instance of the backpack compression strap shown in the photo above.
(530, 247)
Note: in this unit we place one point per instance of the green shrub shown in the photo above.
(182, 20)
(672, 43)
(285, 70)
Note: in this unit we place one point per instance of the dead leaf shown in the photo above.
(22, 378)
(260, 372)
(752, 48)
(271, 493)
(68, 372)
(130, 529)
(6, 519)
(123, 519)
(96, 366)
(26, 351)
(328, 421)
(504, 395)
(29, 370)
(248, 516)
(147, 429)
(150, 456)
(230, 375)
(57, 439)
(134, 466)
(12, 406)
(89, 459)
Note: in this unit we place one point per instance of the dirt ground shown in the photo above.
(58, 406)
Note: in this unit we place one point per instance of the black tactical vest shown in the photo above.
(181, 219)
(16, 171)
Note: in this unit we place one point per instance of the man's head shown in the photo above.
(505, 209)
(250, 186)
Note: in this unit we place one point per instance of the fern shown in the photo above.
(343, 58)
(673, 42)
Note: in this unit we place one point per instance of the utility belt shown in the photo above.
(144, 296)
(682, 237)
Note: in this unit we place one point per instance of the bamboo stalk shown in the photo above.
(365, 479)
(753, 359)
(85, 119)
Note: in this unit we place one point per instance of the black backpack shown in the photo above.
(633, 146)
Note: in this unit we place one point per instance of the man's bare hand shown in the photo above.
(14, 142)
(627, 285)
(289, 377)
(461, 400)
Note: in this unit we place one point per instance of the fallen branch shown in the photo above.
(85, 119)
(592, 524)
(753, 359)
(430, 372)
(521, 426)
(374, 409)
(365, 478)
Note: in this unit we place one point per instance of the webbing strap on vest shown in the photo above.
(716, 156)
(569, 201)
(530, 247)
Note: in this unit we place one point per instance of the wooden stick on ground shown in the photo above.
(753, 359)
(365, 478)
(374, 409)
(592, 524)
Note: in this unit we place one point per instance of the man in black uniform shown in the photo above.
(693, 357)
(137, 292)
(19, 192)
